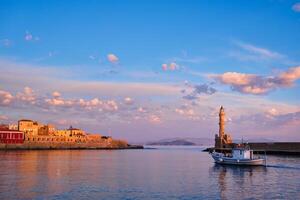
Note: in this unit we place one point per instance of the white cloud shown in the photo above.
(250, 52)
(262, 52)
(29, 37)
(6, 43)
(128, 101)
(92, 57)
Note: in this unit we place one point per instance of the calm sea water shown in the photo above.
(162, 173)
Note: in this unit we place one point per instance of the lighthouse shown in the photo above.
(221, 122)
(223, 139)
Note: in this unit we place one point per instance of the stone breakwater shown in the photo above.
(55, 142)
(283, 148)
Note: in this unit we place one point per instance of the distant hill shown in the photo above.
(174, 142)
(183, 141)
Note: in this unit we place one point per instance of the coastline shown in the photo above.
(21, 148)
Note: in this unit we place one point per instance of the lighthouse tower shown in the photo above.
(223, 139)
(221, 122)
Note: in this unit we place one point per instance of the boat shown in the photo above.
(239, 156)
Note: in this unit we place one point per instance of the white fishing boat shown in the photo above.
(239, 156)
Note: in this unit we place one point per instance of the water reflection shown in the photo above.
(236, 177)
(36, 173)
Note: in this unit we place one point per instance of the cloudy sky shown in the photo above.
(147, 70)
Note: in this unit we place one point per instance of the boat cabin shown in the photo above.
(241, 153)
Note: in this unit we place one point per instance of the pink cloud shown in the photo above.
(5, 97)
(141, 110)
(94, 104)
(170, 67)
(255, 84)
(57, 102)
(185, 112)
(154, 119)
(112, 58)
(173, 66)
(164, 67)
(3, 117)
(27, 95)
(290, 76)
(56, 94)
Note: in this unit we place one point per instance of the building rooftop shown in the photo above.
(25, 120)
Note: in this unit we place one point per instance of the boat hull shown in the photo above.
(246, 162)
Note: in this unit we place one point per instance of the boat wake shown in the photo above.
(283, 167)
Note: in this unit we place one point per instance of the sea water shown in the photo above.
(159, 173)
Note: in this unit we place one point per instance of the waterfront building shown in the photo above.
(34, 135)
(28, 126)
(62, 133)
(8, 136)
(76, 132)
(223, 139)
(13, 127)
(48, 129)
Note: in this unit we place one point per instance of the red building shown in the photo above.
(11, 136)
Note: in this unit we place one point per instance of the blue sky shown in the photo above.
(224, 47)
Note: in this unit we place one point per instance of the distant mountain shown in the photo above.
(174, 142)
(199, 141)
(183, 141)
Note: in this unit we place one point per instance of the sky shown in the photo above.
(148, 70)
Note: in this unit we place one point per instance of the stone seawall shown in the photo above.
(277, 147)
(283, 148)
(55, 142)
